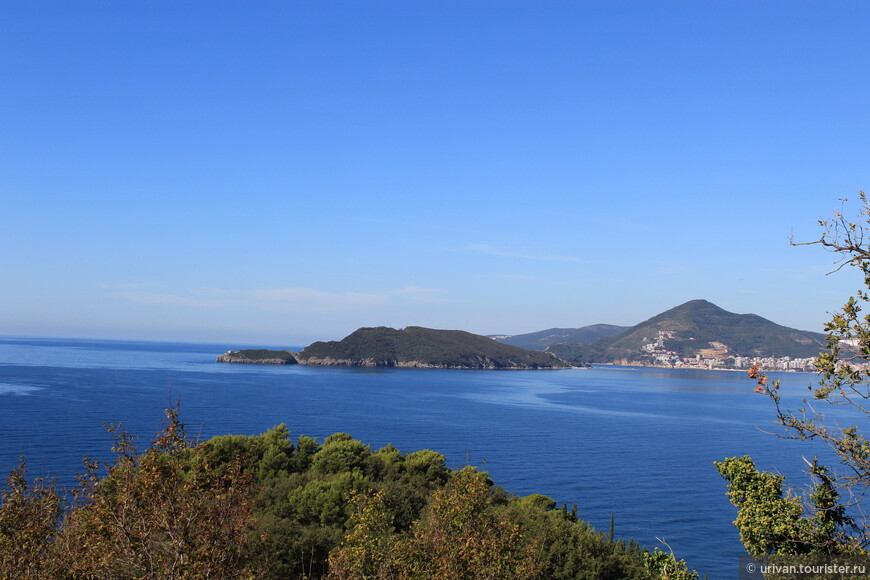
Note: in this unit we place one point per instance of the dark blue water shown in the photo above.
(638, 443)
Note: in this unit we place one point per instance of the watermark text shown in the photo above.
(806, 567)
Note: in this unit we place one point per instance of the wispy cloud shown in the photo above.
(493, 250)
(281, 299)
(309, 299)
(190, 299)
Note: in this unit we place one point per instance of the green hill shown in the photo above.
(542, 339)
(258, 356)
(696, 327)
(415, 346)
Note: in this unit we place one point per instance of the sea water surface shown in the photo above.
(636, 443)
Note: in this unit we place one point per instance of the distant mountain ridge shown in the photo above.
(542, 339)
(697, 327)
(411, 347)
(696, 330)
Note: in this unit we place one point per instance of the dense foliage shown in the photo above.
(414, 345)
(772, 521)
(693, 326)
(267, 506)
(828, 520)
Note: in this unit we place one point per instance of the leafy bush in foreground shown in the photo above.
(268, 507)
(779, 522)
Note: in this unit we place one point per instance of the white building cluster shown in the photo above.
(717, 358)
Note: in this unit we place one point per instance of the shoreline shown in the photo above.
(691, 368)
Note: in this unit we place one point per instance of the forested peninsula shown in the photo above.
(411, 347)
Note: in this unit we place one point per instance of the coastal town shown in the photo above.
(717, 357)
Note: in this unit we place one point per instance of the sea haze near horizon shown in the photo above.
(638, 443)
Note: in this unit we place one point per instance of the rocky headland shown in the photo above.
(411, 347)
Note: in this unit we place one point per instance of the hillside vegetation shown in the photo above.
(267, 506)
(690, 328)
(416, 346)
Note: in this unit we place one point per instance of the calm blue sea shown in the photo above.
(637, 443)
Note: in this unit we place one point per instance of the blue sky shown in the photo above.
(281, 172)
